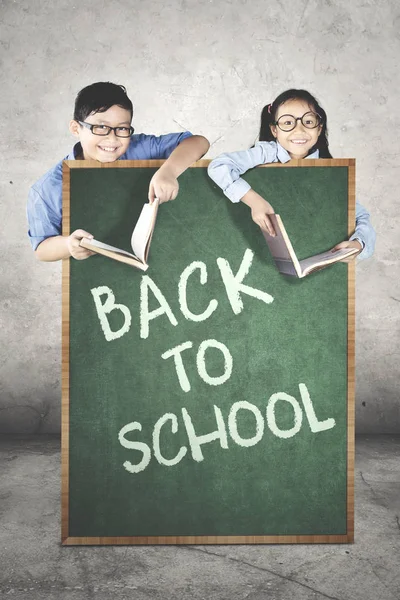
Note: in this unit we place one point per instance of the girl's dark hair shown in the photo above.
(99, 97)
(268, 117)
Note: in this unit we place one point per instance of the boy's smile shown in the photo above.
(104, 148)
(299, 141)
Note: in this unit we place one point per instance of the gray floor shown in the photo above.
(34, 565)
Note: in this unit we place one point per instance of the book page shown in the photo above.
(325, 259)
(143, 231)
(286, 267)
(103, 246)
(281, 248)
(112, 252)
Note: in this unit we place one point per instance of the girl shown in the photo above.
(293, 126)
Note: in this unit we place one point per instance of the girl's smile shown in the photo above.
(302, 141)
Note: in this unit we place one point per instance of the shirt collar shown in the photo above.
(284, 157)
(76, 151)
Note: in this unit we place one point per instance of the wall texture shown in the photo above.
(208, 66)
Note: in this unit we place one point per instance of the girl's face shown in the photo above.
(299, 141)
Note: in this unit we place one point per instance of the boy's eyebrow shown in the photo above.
(102, 121)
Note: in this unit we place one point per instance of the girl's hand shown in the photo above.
(260, 209)
(349, 244)
(73, 241)
(163, 185)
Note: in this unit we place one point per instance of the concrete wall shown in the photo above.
(209, 66)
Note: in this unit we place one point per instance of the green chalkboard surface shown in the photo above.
(210, 399)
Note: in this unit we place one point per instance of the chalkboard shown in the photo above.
(209, 400)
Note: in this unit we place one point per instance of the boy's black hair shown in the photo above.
(99, 97)
(268, 115)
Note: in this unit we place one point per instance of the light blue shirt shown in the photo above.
(44, 209)
(225, 171)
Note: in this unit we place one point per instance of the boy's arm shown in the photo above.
(59, 247)
(44, 220)
(164, 184)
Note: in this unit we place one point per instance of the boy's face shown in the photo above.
(103, 148)
(299, 141)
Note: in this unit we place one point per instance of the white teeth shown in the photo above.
(299, 141)
(107, 149)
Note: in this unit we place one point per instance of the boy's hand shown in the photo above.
(349, 244)
(163, 185)
(74, 248)
(260, 209)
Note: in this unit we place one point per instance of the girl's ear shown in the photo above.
(273, 130)
(74, 128)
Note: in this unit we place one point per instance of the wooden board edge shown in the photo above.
(350, 398)
(313, 162)
(204, 162)
(206, 540)
(65, 328)
(351, 328)
(352, 197)
(123, 164)
(66, 188)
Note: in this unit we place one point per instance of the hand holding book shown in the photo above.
(163, 185)
(285, 257)
(140, 240)
(74, 244)
(348, 244)
(260, 211)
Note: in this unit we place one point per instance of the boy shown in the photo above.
(102, 124)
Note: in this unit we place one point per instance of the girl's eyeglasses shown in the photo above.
(310, 120)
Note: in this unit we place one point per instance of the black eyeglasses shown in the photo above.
(310, 120)
(123, 132)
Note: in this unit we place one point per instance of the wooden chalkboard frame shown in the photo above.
(68, 540)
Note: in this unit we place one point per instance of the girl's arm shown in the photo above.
(364, 232)
(363, 237)
(164, 183)
(225, 171)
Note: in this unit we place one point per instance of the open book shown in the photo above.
(140, 240)
(286, 259)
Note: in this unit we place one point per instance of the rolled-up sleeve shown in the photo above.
(364, 232)
(225, 170)
(163, 145)
(43, 221)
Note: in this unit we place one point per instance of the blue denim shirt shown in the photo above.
(44, 209)
(225, 171)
